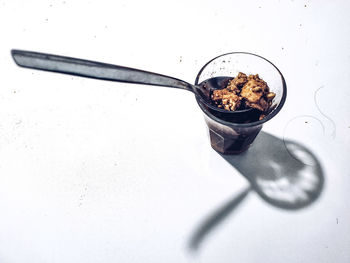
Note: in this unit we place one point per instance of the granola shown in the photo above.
(244, 92)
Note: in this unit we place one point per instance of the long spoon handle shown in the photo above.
(93, 69)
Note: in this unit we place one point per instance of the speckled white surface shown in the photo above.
(93, 171)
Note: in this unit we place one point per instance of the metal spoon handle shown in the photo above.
(92, 69)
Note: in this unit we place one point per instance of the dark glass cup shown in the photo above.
(234, 133)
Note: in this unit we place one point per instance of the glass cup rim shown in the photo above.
(259, 122)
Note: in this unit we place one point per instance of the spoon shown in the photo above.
(104, 71)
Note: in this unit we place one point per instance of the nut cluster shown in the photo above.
(244, 92)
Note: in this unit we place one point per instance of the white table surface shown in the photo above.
(93, 171)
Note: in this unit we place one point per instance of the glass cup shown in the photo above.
(234, 133)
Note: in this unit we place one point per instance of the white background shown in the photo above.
(94, 171)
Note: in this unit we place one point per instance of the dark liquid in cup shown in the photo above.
(232, 144)
(228, 139)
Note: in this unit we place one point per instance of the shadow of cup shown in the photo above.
(285, 174)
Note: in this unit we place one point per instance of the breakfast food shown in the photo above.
(243, 92)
